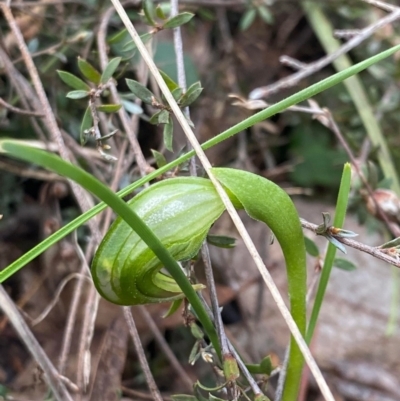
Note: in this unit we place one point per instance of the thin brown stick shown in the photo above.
(312, 68)
(165, 348)
(141, 355)
(53, 378)
(17, 110)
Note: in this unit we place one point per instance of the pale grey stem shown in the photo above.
(223, 341)
(141, 355)
(180, 66)
(166, 349)
(312, 68)
(84, 356)
(58, 388)
(73, 308)
(144, 167)
(381, 4)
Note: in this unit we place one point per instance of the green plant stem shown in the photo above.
(256, 118)
(90, 183)
(340, 214)
(324, 31)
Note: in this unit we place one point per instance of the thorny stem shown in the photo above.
(312, 68)
(141, 355)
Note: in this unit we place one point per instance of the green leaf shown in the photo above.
(88, 71)
(131, 45)
(118, 37)
(344, 264)
(160, 117)
(267, 202)
(178, 20)
(73, 81)
(175, 305)
(131, 107)
(168, 134)
(109, 108)
(160, 12)
(140, 91)
(177, 93)
(172, 85)
(191, 94)
(149, 12)
(87, 123)
(265, 14)
(159, 158)
(79, 94)
(247, 19)
(110, 69)
(221, 241)
(311, 247)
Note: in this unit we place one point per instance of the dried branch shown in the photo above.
(53, 378)
(141, 355)
(17, 110)
(166, 349)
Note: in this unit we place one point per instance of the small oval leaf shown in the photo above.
(160, 159)
(168, 134)
(140, 91)
(73, 81)
(149, 12)
(88, 71)
(109, 108)
(247, 19)
(344, 264)
(79, 94)
(172, 85)
(131, 107)
(110, 69)
(178, 20)
(311, 247)
(87, 123)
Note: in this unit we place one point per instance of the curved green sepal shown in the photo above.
(265, 201)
